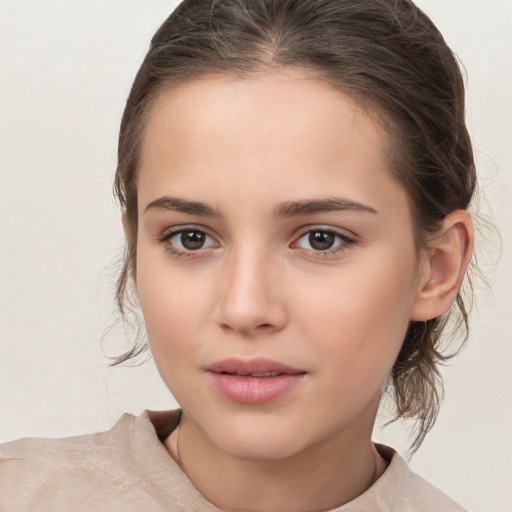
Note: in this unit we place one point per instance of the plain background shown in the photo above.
(66, 68)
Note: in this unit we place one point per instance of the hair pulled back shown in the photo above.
(388, 55)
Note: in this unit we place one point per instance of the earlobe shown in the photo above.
(444, 267)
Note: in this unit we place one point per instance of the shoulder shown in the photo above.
(63, 449)
(35, 470)
(405, 491)
(83, 472)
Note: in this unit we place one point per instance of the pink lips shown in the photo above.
(256, 381)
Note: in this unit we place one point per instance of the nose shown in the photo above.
(251, 297)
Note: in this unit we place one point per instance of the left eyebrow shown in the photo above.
(329, 204)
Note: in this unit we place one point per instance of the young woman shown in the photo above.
(294, 177)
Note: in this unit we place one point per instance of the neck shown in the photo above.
(322, 477)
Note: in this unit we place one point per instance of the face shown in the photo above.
(273, 241)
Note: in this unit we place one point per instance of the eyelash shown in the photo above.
(178, 253)
(344, 241)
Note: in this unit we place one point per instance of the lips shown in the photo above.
(256, 381)
(251, 367)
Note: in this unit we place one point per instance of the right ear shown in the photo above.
(129, 240)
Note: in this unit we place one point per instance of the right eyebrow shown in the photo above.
(183, 206)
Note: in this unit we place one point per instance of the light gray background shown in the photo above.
(65, 71)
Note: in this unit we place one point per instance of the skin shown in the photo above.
(258, 288)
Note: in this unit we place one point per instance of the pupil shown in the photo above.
(321, 240)
(192, 240)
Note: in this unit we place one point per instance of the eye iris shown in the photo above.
(192, 240)
(321, 240)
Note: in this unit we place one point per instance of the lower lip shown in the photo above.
(254, 390)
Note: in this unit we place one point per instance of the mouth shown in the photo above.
(262, 375)
(256, 381)
(258, 368)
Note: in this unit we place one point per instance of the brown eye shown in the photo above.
(321, 240)
(192, 240)
(188, 240)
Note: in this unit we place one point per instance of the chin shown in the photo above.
(259, 440)
(267, 449)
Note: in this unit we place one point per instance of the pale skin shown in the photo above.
(258, 153)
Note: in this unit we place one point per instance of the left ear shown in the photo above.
(443, 267)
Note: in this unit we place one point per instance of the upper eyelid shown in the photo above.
(303, 229)
(342, 232)
(345, 239)
(171, 231)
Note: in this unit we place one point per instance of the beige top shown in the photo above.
(128, 469)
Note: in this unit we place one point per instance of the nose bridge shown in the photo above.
(251, 299)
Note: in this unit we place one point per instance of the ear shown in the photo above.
(129, 238)
(444, 265)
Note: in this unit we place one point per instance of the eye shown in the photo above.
(323, 240)
(186, 240)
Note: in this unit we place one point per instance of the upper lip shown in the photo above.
(245, 367)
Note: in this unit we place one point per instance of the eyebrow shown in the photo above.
(286, 209)
(329, 204)
(183, 206)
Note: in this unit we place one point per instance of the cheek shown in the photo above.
(360, 319)
(170, 303)
(173, 320)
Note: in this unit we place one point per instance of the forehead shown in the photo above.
(281, 131)
(284, 102)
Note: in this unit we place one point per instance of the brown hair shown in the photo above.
(388, 54)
